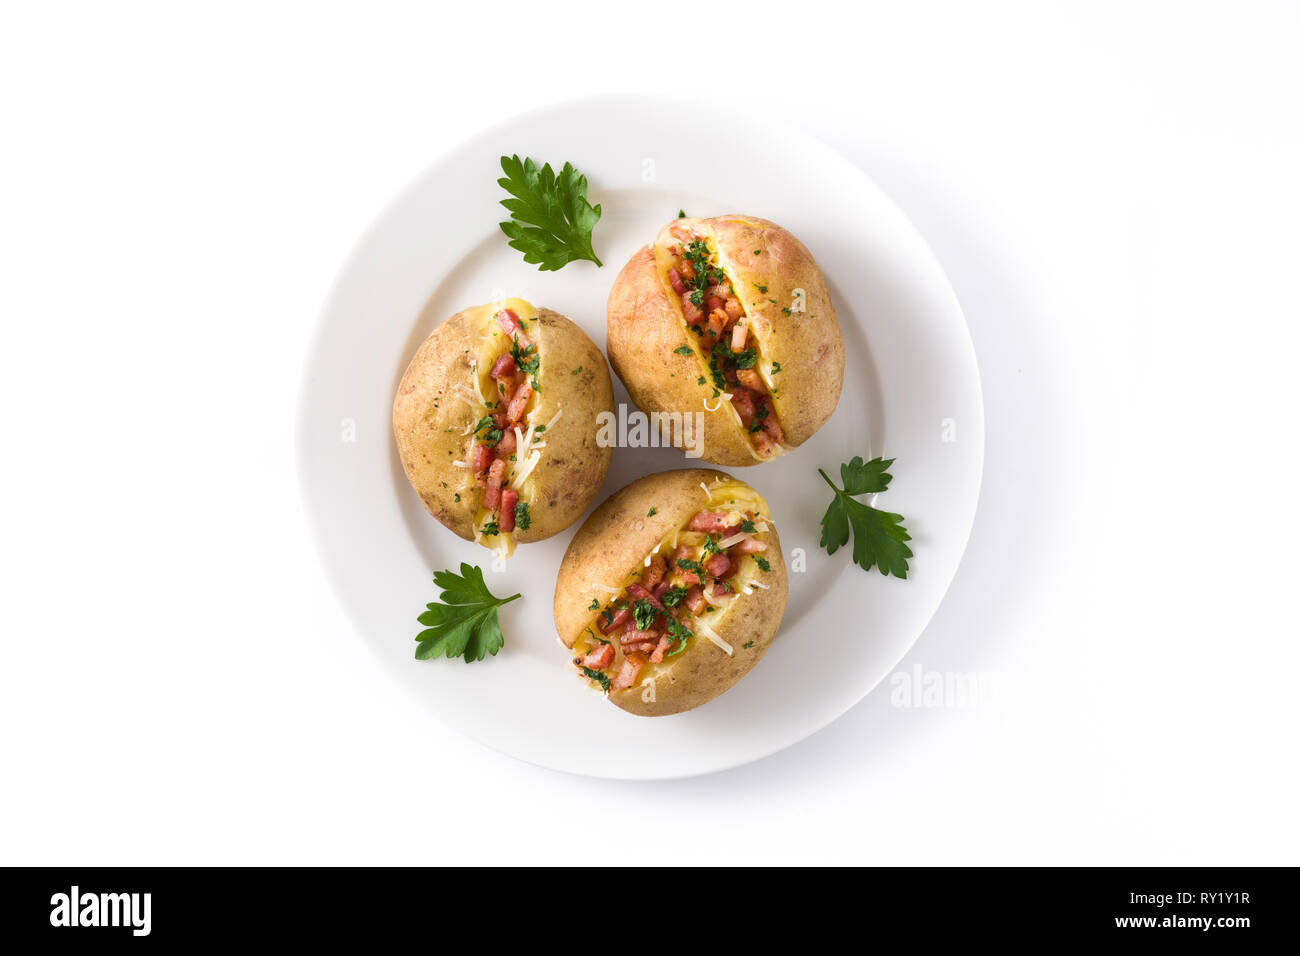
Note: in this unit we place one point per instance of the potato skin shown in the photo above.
(644, 325)
(614, 541)
(429, 421)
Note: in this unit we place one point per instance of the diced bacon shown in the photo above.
(634, 636)
(691, 312)
(685, 553)
(751, 380)
(639, 593)
(654, 573)
(499, 419)
(733, 309)
(600, 658)
(772, 427)
(742, 400)
(515, 410)
(687, 270)
(665, 643)
(504, 367)
(712, 522)
(509, 498)
(717, 323)
(627, 674)
(721, 589)
(750, 545)
(505, 447)
(718, 565)
(480, 460)
(682, 233)
(715, 303)
(695, 600)
(763, 443)
(510, 324)
(662, 588)
(621, 616)
(675, 280)
(492, 496)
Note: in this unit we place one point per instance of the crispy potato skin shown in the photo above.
(614, 542)
(644, 325)
(429, 422)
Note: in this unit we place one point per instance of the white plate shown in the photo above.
(911, 392)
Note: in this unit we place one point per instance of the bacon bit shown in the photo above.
(742, 400)
(771, 426)
(733, 309)
(509, 498)
(621, 616)
(504, 367)
(665, 642)
(499, 420)
(685, 553)
(633, 636)
(662, 588)
(480, 460)
(654, 573)
(492, 497)
(763, 443)
(717, 323)
(718, 566)
(639, 593)
(751, 380)
(600, 658)
(627, 675)
(695, 600)
(712, 522)
(515, 410)
(675, 280)
(508, 443)
(715, 303)
(510, 324)
(721, 588)
(691, 312)
(750, 545)
(687, 270)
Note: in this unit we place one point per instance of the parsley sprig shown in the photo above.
(465, 622)
(878, 536)
(551, 220)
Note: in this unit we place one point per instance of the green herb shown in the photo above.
(684, 350)
(537, 431)
(491, 529)
(607, 616)
(878, 536)
(762, 562)
(700, 380)
(522, 516)
(747, 526)
(643, 612)
(484, 422)
(686, 564)
(680, 633)
(457, 496)
(747, 645)
(595, 603)
(600, 677)
(673, 596)
(747, 358)
(652, 512)
(576, 370)
(493, 436)
(464, 623)
(681, 214)
(776, 367)
(551, 220)
(786, 312)
(528, 361)
(756, 427)
(758, 252)
(710, 545)
(761, 288)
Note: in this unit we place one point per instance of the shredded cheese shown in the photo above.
(735, 539)
(525, 470)
(713, 635)
(459, 464)
(708, 493)
(554, 418)
(605, 587)
(722, 397)
(760, 584)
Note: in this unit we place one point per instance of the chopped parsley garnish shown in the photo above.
(684, 350)
(491, 529)
(643, 612)
(522, 516)
(652, 512)
(762, 562)
(673, 596)
(595, 603)
(600, 677)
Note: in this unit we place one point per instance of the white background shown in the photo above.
(1112, 189)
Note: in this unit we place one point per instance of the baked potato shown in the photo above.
(495, 421)
(671, 591)
(729, 317)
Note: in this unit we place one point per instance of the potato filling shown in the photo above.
(495, 453)
(715, 313)
(656, 616)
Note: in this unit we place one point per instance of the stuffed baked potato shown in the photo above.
(671, 591)
(729, 317)
(495, 421)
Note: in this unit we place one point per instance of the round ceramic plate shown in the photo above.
(911, 392)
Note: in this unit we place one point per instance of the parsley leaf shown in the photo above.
(465, 622)
(644, 614)
(878, 536)
(551, 220)
(600, 677)
(522, 517)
